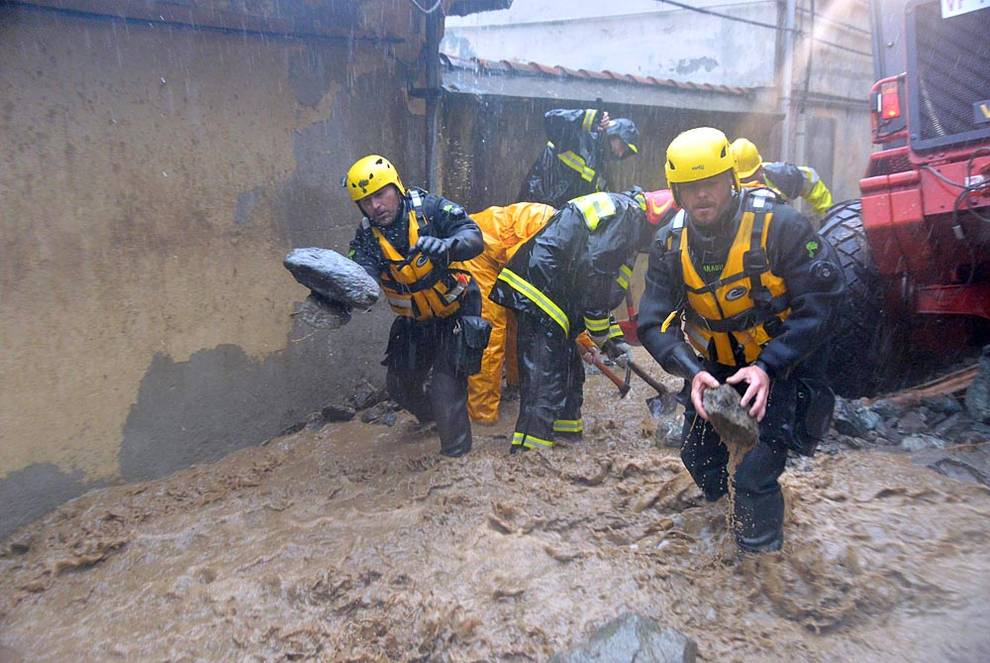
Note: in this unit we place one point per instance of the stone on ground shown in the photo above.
(631, 637)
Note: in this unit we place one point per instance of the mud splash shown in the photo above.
(357, 542)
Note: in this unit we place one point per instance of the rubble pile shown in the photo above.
(946, 431)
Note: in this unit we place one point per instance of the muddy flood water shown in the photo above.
(357, 542)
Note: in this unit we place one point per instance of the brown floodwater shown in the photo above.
(356, 542)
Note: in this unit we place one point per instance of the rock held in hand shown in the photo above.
(731, 420)
(333, 276)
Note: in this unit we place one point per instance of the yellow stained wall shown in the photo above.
(152, 177)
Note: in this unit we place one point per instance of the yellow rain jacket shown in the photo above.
(504, 230)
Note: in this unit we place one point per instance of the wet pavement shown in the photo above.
(357, 542)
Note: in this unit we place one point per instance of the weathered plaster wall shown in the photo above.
(152, 177)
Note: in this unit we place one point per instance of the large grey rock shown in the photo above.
(943, 404)
(631, 637)
(731, 420)
(668, 416)
(383, 413)
(366, 394)
(970, 464)
(919, 441)
(978, 393)
(333, 276)
(846, 420)
(912, 421)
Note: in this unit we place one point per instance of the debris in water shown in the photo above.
(631, 637)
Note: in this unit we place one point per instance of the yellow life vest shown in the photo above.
(416, 288)
(730, 319)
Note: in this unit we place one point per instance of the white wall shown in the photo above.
(626, 36)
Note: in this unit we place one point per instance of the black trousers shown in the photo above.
(759, 503)
(551, 383)
(423, 378)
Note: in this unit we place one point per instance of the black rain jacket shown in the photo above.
(574, 266)
(445, 219)
(796, 253)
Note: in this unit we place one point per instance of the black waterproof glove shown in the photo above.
(433, 247)
(617, 350)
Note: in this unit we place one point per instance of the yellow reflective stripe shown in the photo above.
(596, 324)
(666, 323)
(625, 273)
(635, 150)
(529, 291)
(517, 439)
(589, 117)
(568, 426)
(594, 207)
(532, 442)
(615, 331)
(575, 162)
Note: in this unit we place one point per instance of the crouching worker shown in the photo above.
(564, 280)
(504, 230)
(413, 243)
(757, 291)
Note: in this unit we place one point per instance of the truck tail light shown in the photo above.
(886, 119)
(889, 101)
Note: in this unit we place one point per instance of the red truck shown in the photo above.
(916, 246)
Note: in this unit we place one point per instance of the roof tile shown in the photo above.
(540, 69)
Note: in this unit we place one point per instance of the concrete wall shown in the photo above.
(152, 177)
(836, 68)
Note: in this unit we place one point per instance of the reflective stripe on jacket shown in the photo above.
(730, 319)
(574, 271)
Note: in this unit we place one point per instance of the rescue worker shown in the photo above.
(757, 291)
(564, 280)
(504, 229)
(413, 243)
(573, 161)
(787, 180)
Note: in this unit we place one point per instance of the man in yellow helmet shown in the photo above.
(787, 180)
(504, 229)
(580, 143)
(562, 281)
(413, 243)
(756, 290)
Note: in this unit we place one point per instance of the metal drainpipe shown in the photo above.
(786, 80)
(434, 28)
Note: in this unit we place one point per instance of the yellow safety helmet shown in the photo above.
(697, 154)
(369, 174)
(748, 159)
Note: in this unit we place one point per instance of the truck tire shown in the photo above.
(861, 350)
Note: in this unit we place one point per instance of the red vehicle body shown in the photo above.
(916, 246)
